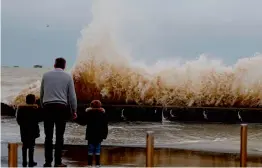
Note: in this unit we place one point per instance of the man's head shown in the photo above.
(30, 99)
(60, 63)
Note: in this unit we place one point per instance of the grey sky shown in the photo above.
(225, 29)
(27, 41)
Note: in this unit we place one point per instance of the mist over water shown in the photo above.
(109, 68)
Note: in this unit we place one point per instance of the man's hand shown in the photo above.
(74, 115)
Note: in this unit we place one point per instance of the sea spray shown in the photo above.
(104, 70)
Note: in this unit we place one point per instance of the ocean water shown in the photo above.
(167, 133)
(13, 80)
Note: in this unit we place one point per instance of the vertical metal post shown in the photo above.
(150, 149)
(12, 154)
(243, 146)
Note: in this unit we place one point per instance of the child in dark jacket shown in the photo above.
(96, 130)
(28, 117)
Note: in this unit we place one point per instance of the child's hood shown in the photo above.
(27, 105)
(97, 109)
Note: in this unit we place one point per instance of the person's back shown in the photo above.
(27, 117)
(58, 89)
(56, 83)
(96, 130)
(58, 99)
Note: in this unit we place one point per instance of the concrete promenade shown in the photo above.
(194, 154)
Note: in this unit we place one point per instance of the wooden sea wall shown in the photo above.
(119, 113)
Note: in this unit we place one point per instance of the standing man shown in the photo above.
(58, 98)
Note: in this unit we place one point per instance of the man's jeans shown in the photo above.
(54, 117)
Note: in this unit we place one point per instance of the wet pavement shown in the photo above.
(223, 137)
(168, 133)
(76, 155)
(39, 156)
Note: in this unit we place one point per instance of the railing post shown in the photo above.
(150, 149)
(12, 154)
(243, 146)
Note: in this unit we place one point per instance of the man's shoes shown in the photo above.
(24, 164)
(33, 164)
(47, 165)
(60, 165)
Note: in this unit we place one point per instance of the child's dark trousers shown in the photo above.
(28, 150)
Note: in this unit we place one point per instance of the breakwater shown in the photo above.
(118, 113)
(182, 114)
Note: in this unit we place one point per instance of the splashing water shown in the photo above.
(103, 71)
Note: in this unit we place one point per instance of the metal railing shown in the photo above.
(12, 149)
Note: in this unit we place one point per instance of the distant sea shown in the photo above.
(14, 79)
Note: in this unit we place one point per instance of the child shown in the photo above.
(27, 118)
(96, 130)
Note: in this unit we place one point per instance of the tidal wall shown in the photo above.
(129, 113)
(119, 113)
(183, 114)
(214, 114)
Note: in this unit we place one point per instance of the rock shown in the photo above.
(7, 110)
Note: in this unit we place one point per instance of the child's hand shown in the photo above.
(102, 109)
(87, 109)
(74, 115)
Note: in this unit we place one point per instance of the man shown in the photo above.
(58, 98)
